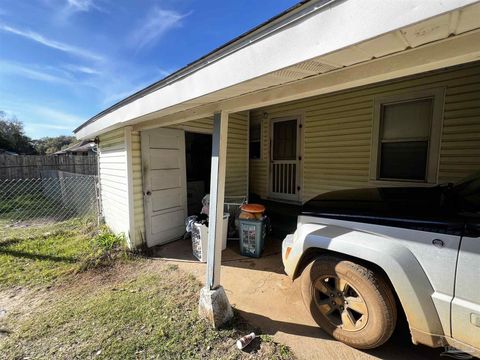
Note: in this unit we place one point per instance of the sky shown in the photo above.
(63, 61)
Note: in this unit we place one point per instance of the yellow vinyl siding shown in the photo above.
(460, 147)
(337, 132)
(236, 178)
(258, 168)
(258, 177)
(200, 125)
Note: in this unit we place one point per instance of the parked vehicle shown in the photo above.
(364, 255)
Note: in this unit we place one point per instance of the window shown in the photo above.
(255, 138)
(406, 138)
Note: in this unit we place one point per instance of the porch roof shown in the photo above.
(318, 46)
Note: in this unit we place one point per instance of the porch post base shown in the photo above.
(214, 306)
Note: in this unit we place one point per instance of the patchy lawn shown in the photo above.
(36, 255)
(135, 308)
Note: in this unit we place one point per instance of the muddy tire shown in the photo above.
(350, 302)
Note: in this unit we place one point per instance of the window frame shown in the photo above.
(433, 152)
(259, 140)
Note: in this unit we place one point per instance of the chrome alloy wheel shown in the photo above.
(340, 303)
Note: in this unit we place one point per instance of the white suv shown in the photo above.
(365, 254)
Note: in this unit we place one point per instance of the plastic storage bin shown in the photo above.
(252, 237)
(200, 238)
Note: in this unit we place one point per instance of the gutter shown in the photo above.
(252, 36)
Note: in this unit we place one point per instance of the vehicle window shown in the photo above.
(469, 190)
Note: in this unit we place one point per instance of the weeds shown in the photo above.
(106, 247)
(144, 315)
(40, 255)
(143, 309)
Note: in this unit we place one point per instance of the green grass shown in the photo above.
(40, 255)
(151, 314)
(27, 205)
(72, 306)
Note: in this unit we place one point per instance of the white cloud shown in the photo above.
(70, 49)
(164, 72)
(37, 130)
(32, 126)
(58, 115)
(81, 5)
(31, 73)
(157, 23)
(82, 69)
(113, 95)
(76, 6)
(42, 119)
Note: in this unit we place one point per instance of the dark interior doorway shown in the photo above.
(198, 151)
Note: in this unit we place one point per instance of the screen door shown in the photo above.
(284, 159)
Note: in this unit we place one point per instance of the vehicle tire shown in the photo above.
(353, 304)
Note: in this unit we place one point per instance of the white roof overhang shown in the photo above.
(320, 47)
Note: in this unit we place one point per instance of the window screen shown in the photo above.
(285, 140)
(404, 140)
(255, 138)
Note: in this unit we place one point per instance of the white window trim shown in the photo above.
(433, 158)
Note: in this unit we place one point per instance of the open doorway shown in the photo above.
(198, 154)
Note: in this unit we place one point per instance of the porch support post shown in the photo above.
(214, 305)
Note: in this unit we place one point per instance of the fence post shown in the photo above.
(62, 186)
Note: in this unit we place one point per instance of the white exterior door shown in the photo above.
(285, 159)
(164, 185)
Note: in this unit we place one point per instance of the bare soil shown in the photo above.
(134, 309)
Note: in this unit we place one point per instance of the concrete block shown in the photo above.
(214, 306)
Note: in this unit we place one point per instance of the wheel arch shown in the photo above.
(313, 252)
(414, 297)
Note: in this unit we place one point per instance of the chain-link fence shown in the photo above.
(26, 203)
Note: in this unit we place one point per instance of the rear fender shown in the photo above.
(407, 276)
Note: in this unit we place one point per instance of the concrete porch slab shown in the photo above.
(260, 291)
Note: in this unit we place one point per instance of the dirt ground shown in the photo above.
(71, 319)
(267, 298)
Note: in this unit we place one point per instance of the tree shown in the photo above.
(13, 138)
(12, 135)
(49, 145)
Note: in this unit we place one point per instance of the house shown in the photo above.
(84, 147)
(6, 152)
(327, 95)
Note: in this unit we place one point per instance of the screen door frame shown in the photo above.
(273, 192)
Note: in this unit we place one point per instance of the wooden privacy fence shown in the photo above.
(35, 166)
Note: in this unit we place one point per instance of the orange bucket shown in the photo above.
(253, 208)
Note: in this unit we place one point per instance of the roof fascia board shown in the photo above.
(289, 16)
(449, 52)
(427, 58)
(365, 19)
